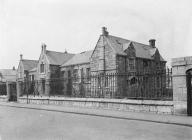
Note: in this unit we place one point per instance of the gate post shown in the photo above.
(8, 91)
(179, 69)
(47, 87)
(18, 89)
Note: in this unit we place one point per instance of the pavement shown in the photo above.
(139, 116)
(33, 124)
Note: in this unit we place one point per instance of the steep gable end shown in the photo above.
(130, 50)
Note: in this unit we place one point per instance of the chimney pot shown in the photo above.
(104, 31)
(152, 42)
(21, 56)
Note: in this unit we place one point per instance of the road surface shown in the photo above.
(31, 124)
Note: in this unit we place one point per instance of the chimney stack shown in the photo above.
(21, 57)
(13, 67)
(152, 43)
(104, 31)
(43, 46)
(65, 51)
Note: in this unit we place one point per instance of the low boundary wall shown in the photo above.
(3, 98)
(160, 107)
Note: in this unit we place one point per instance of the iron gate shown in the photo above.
(13, 92)
(189, 92)
(3, 90)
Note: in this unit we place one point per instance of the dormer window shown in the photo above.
(42, 68)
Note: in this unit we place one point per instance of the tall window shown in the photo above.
(157, 65)
(106, 80)
(63, 74)
(82, 72)
(32, 77)
(42, 68)
(88, 73)
(75, 75)
(158, 82)
(69, 73)
(131, 64)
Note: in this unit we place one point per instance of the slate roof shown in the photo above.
(80, 58)
(8, 75)
(33, 69)
(29, 64)
(58, 58)
(120, 45)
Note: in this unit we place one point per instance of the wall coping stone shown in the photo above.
(3, 95)
(104, 100)
(181, 61)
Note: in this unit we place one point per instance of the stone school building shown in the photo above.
(115, 68)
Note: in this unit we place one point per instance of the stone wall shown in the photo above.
(160, 107)
(3, 98)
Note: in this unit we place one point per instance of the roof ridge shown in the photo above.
(130, 40)
(29, 60)
(85, 51)
(58, 52)
(6, 69)
(79, 58)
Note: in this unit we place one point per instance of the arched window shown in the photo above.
(42, 68)
(133, 81)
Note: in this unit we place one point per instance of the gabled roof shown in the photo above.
(119, 45)
(33, 70)
(58, 58)
(8, 75)
(80, 58)
(8, 71)
(29, 64)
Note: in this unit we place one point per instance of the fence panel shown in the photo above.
(142, 85)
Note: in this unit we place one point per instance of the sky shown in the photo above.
(75, 26)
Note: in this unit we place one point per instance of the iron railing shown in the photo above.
(3, 90)
(143, 85)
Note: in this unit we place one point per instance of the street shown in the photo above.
(24, 124)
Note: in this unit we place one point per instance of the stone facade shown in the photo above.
(180, 66)
(103, 58)
(117, 55)
(24, 74)
(24, 67)
(48, 69)
(79, 73)
(75, 74)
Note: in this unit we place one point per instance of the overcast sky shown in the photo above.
(76, 26)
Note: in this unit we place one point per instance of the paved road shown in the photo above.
(24, 124)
